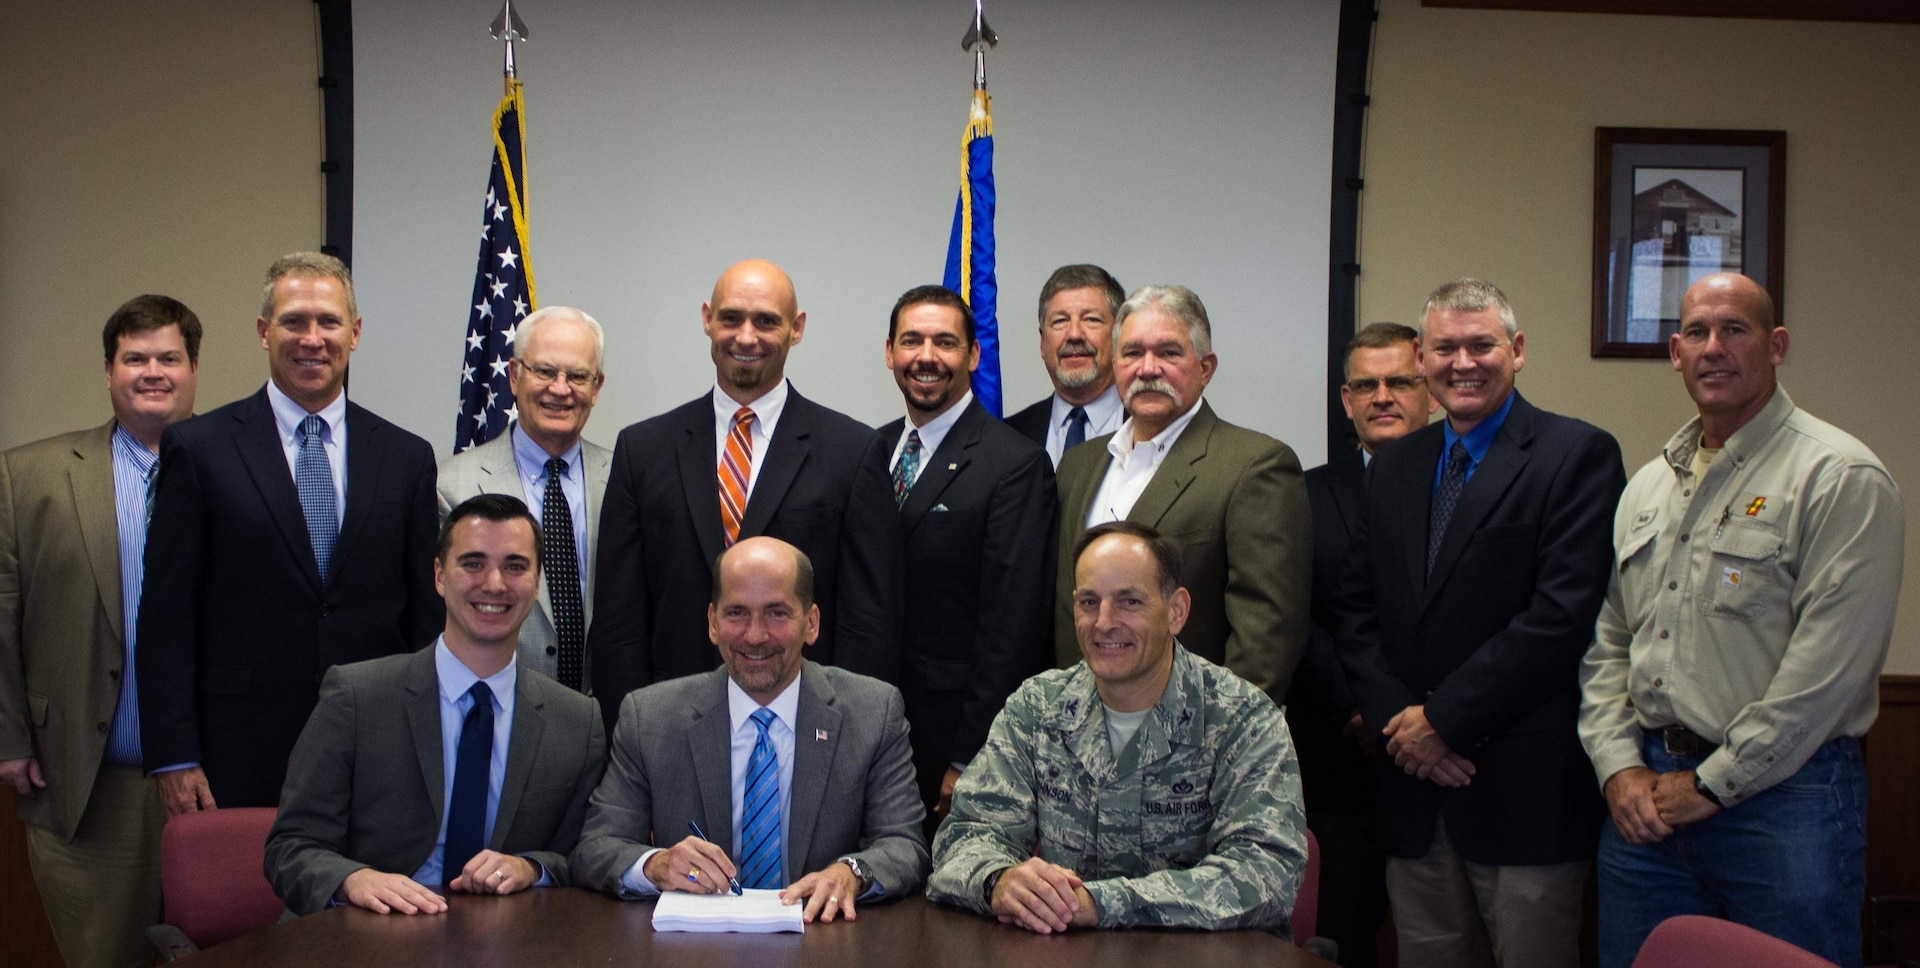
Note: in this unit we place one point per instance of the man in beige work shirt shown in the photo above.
(1735, 662)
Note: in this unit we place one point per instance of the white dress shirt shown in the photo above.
(931, 435)
(287, 417)
(530, 460)
(1103, 417)
(1133, 467)
(766, 416)
(740, 707)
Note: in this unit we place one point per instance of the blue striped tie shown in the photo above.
(313, 476)
(760, 810)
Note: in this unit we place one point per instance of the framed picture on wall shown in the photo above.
(1671, 205)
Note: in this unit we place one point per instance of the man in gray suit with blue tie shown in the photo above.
(542, 459)
(800, 773)
(456, 765)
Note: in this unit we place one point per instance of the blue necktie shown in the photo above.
(313, 475)
(1452, 482)
(467, 808)
(760, 811)
(1076, 428)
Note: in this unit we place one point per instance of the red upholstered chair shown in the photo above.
(1692, 941)
(1305, 919)
(211, 879)
(1306, 904)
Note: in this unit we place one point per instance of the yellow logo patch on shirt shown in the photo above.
(1730, 577)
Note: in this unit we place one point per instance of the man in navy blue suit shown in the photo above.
(1477, 571)
(1386, 397)
(292, 531)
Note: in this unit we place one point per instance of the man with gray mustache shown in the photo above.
(1233, 499)
(1077, 306)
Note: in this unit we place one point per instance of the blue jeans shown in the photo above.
(1790, 862)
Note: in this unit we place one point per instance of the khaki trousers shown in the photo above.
(102, 889)
(1450, 913)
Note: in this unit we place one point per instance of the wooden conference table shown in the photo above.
(571, 926)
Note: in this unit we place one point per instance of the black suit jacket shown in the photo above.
(1032, 422)
(1335, 775)
(1491, 642)
(236, 628)
(823, 487)
(979, 527)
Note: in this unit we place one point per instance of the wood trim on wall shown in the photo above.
(1860, 11)
(1893, 789)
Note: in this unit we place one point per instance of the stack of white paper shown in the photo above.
(754, 912)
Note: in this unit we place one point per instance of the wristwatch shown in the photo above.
(860, 872)
(1700, 787)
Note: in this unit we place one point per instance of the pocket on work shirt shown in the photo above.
(1745, 570)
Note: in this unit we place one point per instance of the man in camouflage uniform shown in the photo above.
(1160, 789)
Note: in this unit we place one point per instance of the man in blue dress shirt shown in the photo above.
(456, 767)
(73, 526)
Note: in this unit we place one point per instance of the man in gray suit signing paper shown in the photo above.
(800, 773)
(542, 460)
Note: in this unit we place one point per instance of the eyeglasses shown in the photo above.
(545, 375)
(1365, 386)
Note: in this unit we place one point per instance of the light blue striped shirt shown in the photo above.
(531, 462)
(133, 470)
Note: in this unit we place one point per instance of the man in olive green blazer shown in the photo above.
(1233, 499)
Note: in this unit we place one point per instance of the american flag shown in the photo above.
(502, 285)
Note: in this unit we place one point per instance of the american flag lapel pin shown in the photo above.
(819, 735)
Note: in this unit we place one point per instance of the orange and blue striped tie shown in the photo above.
(736, 468)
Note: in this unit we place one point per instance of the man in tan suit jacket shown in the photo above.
(73, 523)
(1232, 499)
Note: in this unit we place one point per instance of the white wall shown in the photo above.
(1183, 143)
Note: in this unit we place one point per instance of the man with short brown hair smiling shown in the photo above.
(977, 504)
(496, 739)
(73, 524)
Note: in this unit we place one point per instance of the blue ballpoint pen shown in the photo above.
(697, 832)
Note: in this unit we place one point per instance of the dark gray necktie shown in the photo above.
(1076, 428)
(563, 576)
(1452, 482)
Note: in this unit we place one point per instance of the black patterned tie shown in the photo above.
(1451, 484)
(563, 576)
(907, 469)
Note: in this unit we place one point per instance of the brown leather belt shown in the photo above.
(1681, 741)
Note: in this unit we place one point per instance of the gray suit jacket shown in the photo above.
(366, 786)
(853, 790)
(61, 641)
(1235, 502)
(489, 469)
